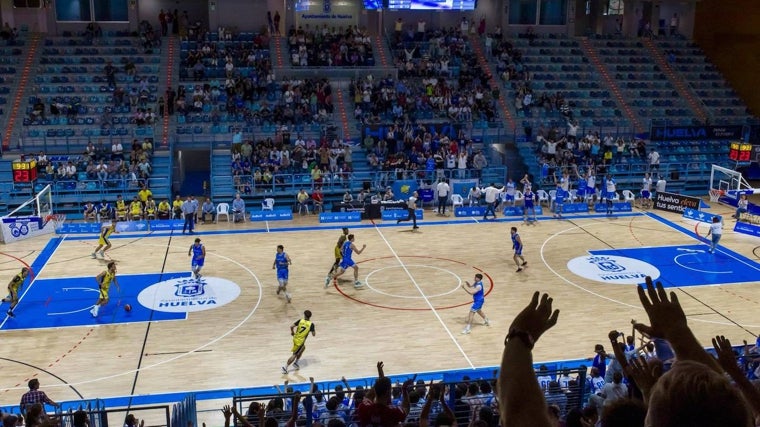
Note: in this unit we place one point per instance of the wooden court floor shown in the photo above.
(410, 314)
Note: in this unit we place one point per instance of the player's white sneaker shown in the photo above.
(284, 370)
(102, 254)
(486, 322)
(466, 331)
(94, 255)
(358, 284)
(295, 365)
(327, 282)
(287, 297)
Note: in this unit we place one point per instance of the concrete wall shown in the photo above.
(729, 32)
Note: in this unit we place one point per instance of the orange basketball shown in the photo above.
(127, 308)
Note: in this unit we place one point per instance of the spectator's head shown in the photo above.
(130, 420)
(383, 389)
(624, 413)
(598, 348)
(692, 394)
(10, 421)
(617, 378)
(34, 384)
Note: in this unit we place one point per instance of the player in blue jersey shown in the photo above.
(559, 201)
(281, 264)
(198, 253)
(478, 298)
(528, 200)
(347, 262)
(517, 246)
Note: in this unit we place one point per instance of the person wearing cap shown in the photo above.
(13, 287)
(34, 396)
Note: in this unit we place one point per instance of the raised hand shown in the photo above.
(537, 317)
(227, 412)
(644, 374)
(665, 315)
(380, 366)
(726, 356)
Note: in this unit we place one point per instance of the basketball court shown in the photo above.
(231, 330)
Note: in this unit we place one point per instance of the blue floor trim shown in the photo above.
(45, 254)
(691, 234)
(422, 223)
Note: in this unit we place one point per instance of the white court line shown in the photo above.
(456, 288)
(427, 301)
(79, 310)
(638, 307)
(201, 347)
(36, 275)
(696, 269)
(267, 223)
(754, 267)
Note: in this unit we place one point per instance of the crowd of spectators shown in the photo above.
(228, 56)
(257, 166)
(109, 166)
(417, 152)
(390, 100)
(566, 149)
(242, 99)
(330, 47)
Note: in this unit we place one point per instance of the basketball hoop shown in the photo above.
(715, 194)
(57, 219)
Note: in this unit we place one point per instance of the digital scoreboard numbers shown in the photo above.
(24, 171)
(740, 152)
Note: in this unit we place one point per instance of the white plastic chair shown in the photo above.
(456, 200)
(543, 197)
(302, 206)
(628, 196)
(267, 204)
(519, 197)
(223, 209)
(573, 195)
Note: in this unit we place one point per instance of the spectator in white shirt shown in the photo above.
(442, 190)
(117, 151)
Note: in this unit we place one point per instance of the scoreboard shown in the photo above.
(432, 4)
(24, 171)
(740, 152)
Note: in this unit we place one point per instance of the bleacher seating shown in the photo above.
(558, 66)
(647, 89)
(72, 76)
(706, 82)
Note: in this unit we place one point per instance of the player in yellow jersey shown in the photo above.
(338, 257)
(121, 208)
(136, 210)
(104, 280)
(300, 331)
(150, 208)
(103, 243)
(13, 287)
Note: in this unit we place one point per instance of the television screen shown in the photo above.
(373, 4)
(432, 4)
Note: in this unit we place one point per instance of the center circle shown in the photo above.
(406, 266)
(356, 297)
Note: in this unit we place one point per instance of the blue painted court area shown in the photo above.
(65, 302)
(691, 265)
